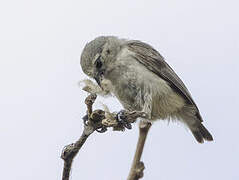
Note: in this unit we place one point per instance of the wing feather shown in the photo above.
(151, 59)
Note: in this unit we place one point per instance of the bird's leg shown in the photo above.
(137, 167)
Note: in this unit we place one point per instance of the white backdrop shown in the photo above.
(41, 104)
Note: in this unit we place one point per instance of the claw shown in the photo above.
(101, 130)
(128, 125)
(122, 119)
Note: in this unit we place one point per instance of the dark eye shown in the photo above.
(98, 63)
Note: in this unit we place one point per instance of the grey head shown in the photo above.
(89, 52)
(97, 54)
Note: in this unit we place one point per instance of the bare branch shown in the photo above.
(136, 171)
(98, 120)
(70, 151)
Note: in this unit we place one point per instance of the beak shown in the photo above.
(98, 77)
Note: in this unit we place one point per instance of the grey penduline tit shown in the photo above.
(141, 79)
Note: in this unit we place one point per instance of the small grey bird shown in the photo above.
(141, 79)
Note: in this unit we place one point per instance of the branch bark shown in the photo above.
(136, 171)
(97, 120)
(70, 151)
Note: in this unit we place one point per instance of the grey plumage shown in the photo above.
(142, 80)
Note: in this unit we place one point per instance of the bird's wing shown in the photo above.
(152, 60)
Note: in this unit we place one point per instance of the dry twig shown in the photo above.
(99, 120)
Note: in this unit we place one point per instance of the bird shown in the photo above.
(140, 78)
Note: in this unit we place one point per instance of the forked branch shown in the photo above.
(98, 120)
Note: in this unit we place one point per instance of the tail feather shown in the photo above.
(192, 118)
(201, 133)
(198, 136)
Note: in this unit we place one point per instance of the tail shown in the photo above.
(192, 118)
(201, 133)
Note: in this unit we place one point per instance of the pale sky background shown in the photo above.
(41, 104)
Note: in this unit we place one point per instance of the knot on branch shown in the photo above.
(67, 151)
(139, 170)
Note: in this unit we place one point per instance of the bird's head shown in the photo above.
(98, 55)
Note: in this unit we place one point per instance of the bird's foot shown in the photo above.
(122, 119)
